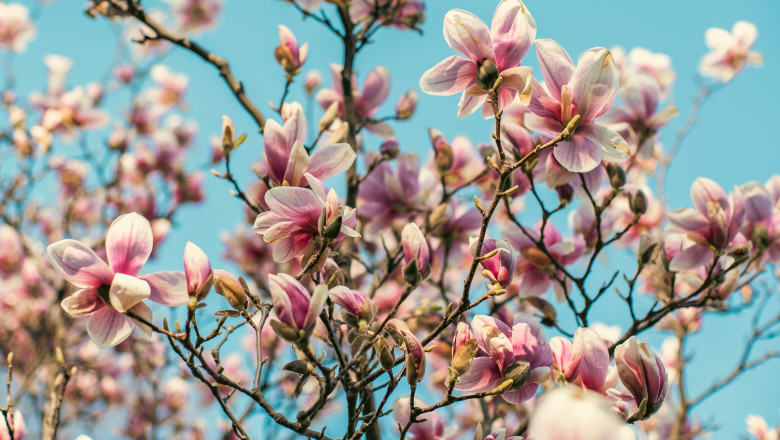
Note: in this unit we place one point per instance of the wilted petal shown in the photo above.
(129, 243)
(168, 288)
(79, 264)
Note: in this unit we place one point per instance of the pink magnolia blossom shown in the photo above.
(642, 372)
(533, 266)
(16, 29)
(759, 429)
(642, 61)
(294, 306)
(584, 362)
(353, 301)
(500, 268)
(762, 219)
(414, 350)
(287, 158)
(716, 221)
(730, 51)
(11, 250)
(293, 218)
(107, 291)
(568, 413)
(289, 54)
(197, 270)
(400, 13)
(20, 429)
(429, 428)
(500, 347)
(195, 15)
(641, 96)
(586, 90)
(312, 81)
(416, 249)
(466, 162)
(489, 53)
(376, 87)
(406, 105)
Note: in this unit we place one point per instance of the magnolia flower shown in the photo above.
(287, 157)
(353, 302)
(584, 362)
(643, 373)
(289, 55)
(586, 90)
(430, 427)
(408, 342)
(641, 96)
(197, 270)
(505, 352)
(20, 429)
(312, 81)
(195, 15)
(376, 87)
(569, 412)
(16, 29)
(716, 221)
(730, 52)
(11, 249)
(107, 291)
(406, 105)
(489, 54)
(293, 218)
(762, 219)
(417, 252)
(296, 310)
(640, 60)
(759, 429)
(499, 268)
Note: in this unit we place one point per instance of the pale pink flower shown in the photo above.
(416, 249)
(762, 218)
(759, 429)
(641, 60)
(489, 53)
(354, 302)
(584, 362)
(641, 96)
(172, 86)
(730, 51)
(466, 162)
(292, 220)
(430, 427)
(500, 347)
(20, 429)
(11, 250)
(197, 270)
(367, 100)
(107, 291)
(16, 29)
(289, 54)
(294, 306)
(643, 374)
(403, 14)
(500, 268)
(406, 105)
(195, 15)
(586, 90)
(287, 158)
(587, 417)
(312, 81)
(716, 221)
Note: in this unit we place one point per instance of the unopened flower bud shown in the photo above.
(638, 203)
(228, 134)
(333, 225)
(228, 286)
(463, 357)
(406, 105)
(312, 81)
(385, 354)
(487, 74)
(617, 176)
(519, 373)
(536, 257)
(389, 148)
(760, 236)
(445, 158)
(565, 194)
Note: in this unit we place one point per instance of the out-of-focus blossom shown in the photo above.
(296, 309)
(641, 96)
(716, 221)
(20, 429)
(759, 429)
(195, 15)
(429, 428)
(730, 52)
(587, 417)
(403, 14)
(406, 105)
(107, 291)
(640, 60)
(288, 54)
(504, 353)
(489, 54)
(417, 252)
(11, 250)
(172, 85)
(293, 218)
(376, 87)
(500, 268)
(642, 372)
(312, 81)
(287, 157)
(16, 29)
(586, 90)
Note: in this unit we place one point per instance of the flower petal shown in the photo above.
(513, 31)
(695, 256)
(556, 65)
(82, 302)
(375, 89)
(168, 288)
(331, 160)
(520, 79)
(450, 76)
(127, 291)
(129, 243)
(615, 147)
(79, 264)
(595, 83)
(468, 35)
(578, 155)
(108, 328)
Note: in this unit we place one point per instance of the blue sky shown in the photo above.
(734, 142)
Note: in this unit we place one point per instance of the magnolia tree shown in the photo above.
(376, 295)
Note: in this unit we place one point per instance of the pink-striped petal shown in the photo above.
(468, 35)
(168, 288)
(79, 264)
(108, 328)
(450, 76)
(129, 243)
